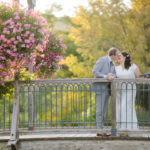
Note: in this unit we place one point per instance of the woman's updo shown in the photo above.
(127, 62)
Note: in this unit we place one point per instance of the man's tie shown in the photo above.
(111, 63)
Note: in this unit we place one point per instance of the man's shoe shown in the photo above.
(103, 134)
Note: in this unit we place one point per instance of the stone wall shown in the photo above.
(84, 145)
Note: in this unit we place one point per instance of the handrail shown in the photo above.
(84, 80)
(14, 137)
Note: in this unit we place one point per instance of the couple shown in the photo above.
(104, 68)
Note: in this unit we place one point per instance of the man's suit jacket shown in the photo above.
(100, 70)
(103, 67)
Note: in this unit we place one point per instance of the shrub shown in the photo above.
(26, 39)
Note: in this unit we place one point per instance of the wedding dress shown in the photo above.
(125, 105)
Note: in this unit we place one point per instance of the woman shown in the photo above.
(126, 114)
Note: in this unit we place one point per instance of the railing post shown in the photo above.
(113, 107)
(14, 136)
(31, 109)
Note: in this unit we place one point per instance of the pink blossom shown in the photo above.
(18, 37)
(33, 55)
(38, 58)
(2, 37)
(27, 41)
(24, 18)
(8, 51)
(12, 23)
(32, 35)
(59, 58)
(27, 46)
(2, 82)
(19, 24)
(6, 31)
(34, 28)
(39, 47)
(16, 13)
(13, 63)
(42, 55)
(2, 58)
(16, 17)
(1, 66)
(15, 49)
(33, 38)
(5, 45)
(41, 31)
(15, 30)
(20, 29)
(3, 23)
(27, 32)
(27, 25)
(35, 23)
(23, 45)
(8, 41)
(15, 42)
(12, 39)
(11, 26)
(24, 35)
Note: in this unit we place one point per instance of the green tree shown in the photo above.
(97, 29)
(141, 17)
(103, 25)
(49, 14)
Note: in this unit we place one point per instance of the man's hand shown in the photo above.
(110, 76)
(147, 76)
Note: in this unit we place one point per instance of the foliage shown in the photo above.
(47, 62)
(7, 89)
(63, 72)
(141, 17)
(71, 50)
(50, 17)
(103, 25)
(24, 35)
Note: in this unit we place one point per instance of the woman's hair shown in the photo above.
(127, 62)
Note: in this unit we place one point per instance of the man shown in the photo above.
(104, 68)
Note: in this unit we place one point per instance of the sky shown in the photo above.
(68, 6)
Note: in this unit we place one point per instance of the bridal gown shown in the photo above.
(125, 105)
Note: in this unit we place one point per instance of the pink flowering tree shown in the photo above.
(25, 39)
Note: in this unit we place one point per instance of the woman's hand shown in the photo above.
(137, 72)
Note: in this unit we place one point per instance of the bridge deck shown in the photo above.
(80, 134)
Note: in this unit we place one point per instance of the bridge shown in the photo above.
(61, 114)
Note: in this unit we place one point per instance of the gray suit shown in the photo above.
(102, 90)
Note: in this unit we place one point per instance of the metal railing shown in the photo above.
(133, 104)
(6, 108)
(70, 103)
(58, 104)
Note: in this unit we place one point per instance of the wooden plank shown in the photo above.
(85, 80)
(31, 109)
(14, 136)
(113, 107)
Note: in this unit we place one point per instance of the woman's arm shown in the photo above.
(137, 72)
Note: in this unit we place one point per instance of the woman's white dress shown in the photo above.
(125, 106)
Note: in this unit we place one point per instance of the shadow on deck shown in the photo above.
(78, 139)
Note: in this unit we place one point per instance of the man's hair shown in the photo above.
(113, 51)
